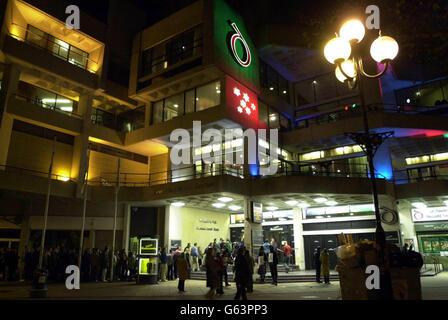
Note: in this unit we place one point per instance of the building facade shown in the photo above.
(63, 90)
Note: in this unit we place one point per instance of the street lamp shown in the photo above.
(345, 52)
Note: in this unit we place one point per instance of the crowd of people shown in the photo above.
(95, 264)
(216, 260)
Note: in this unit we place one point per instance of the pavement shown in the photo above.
(433, 288)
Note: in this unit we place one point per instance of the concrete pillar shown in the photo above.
(126, 226)
(11, 76)
(166, 237)
(252, 231)
(92, 238)
(299, 246)
(80, 160)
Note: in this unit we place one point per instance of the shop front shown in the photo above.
(431, 227)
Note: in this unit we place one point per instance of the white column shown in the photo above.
(299, 246)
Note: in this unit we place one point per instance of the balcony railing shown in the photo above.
(403, 177)
(310, 120)
(63, 52)
(36, 173)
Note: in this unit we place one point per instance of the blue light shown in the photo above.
(253, 169)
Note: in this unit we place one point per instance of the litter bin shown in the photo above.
(39, 289)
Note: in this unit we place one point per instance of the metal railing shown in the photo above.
(325, 117)
(55, 48)
(402, 177)
(32, 172)
(52, 107)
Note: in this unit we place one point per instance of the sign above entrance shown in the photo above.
(430, 214)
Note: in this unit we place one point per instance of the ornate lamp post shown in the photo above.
(345, 52)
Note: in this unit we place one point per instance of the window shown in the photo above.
(170, 52)
(208, 96)
(197, 99)
(272, 82)
(57, 47)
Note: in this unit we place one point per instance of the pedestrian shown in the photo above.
(170, 265)
(287, 253)
(184, 272)
(164, 265)
(95, 262)
(131, 266)
(85, 265)
(325, 267)
(105, 262)
(226, 258)
(317, 264)
(212, 268)
(266, 246)
(187, 251)
(200, 257)
(273, 262)
(219, 259)
(242, 274)
(195, 258)
(250, 262)
(176, 255)
(262, 260)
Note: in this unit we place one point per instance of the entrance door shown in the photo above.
(324, 241)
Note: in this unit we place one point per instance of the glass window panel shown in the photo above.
(174, 106)
(263, 112)
(58, 47)
(78, 57)
(189, 101)
(157, 112)
(284, 122)
(158, 62)
(64, 104)
(36, 36)
(274, 121)
(208, 96)
(45, 98)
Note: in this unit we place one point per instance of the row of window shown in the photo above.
(59, 48)
(330, 153)
(193, 100)
(172, 51)
(272, 82)
(45, 98)
(425, 95)
(427, 158)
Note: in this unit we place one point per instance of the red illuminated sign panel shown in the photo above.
(242, 104)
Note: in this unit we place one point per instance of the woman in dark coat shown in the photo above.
(212, 267)
(184, 272)
(262, 261)
(242, 274)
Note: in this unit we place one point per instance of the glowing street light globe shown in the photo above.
(349, 68)
(384, 48)
(352, 30)
(337, 49)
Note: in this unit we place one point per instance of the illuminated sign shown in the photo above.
(242, 104)
(430, 214)
(257, 212)
(245, 60)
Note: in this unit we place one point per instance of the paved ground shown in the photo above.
(433, 288)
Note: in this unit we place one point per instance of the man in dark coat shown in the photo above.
(317, 264)
(242, 274)
(273, 262)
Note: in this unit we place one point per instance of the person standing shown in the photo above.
(131, 265)
(226, 259)
(262, 260)
(105, 263)
(317, 264)
(266, 247)
(184, 272)
(212, 268)
(176, 255)
(273, 262)
(242, 274)
(163, 264)
(250, 262)
(219, 259)
(187, 252)
(194, 258)
(325, 260)
(170, 264)
(287, 253)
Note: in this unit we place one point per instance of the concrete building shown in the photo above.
(201, 64)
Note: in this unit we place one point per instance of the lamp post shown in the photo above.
(345, 52)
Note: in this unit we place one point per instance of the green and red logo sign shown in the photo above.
(245, 60)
